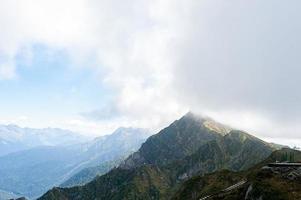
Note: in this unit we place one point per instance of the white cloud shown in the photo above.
(7, 70)
(236, 61)
(15, 120)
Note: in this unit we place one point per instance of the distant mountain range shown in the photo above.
(110, 150)
(7, 195)
(191, 146)
(14, 138)
(60, 155)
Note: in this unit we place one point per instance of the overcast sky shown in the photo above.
(94, 65)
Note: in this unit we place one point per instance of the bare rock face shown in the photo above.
(276, 183)
(290, 173)
(267, 180)
(295, 174)
(132, 161)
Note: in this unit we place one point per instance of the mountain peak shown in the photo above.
(121, 138)
(131, 131)
(192, 115)
(189, 146)
(207, 122)
(183, 137)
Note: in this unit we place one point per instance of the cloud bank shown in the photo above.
(236, 61)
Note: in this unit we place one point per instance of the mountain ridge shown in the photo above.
(32, 172)
(14, 138)
(176, 142)
(168, 158)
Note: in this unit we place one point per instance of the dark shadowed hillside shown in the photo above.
(260, 182)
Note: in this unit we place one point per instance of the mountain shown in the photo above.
(88, 174)
(180, 139)
(122, 141)
(189, 146)
(33, 171)
(259, 182)
(14, 138)
(235, 151)
(7, 195)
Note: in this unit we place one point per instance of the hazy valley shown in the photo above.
(32, 171)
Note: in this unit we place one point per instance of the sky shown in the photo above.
(92, 66)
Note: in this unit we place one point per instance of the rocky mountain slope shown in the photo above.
(259, 182)
(182, 138)
(189, 146)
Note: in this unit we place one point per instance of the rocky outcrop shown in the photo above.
(262, 182)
